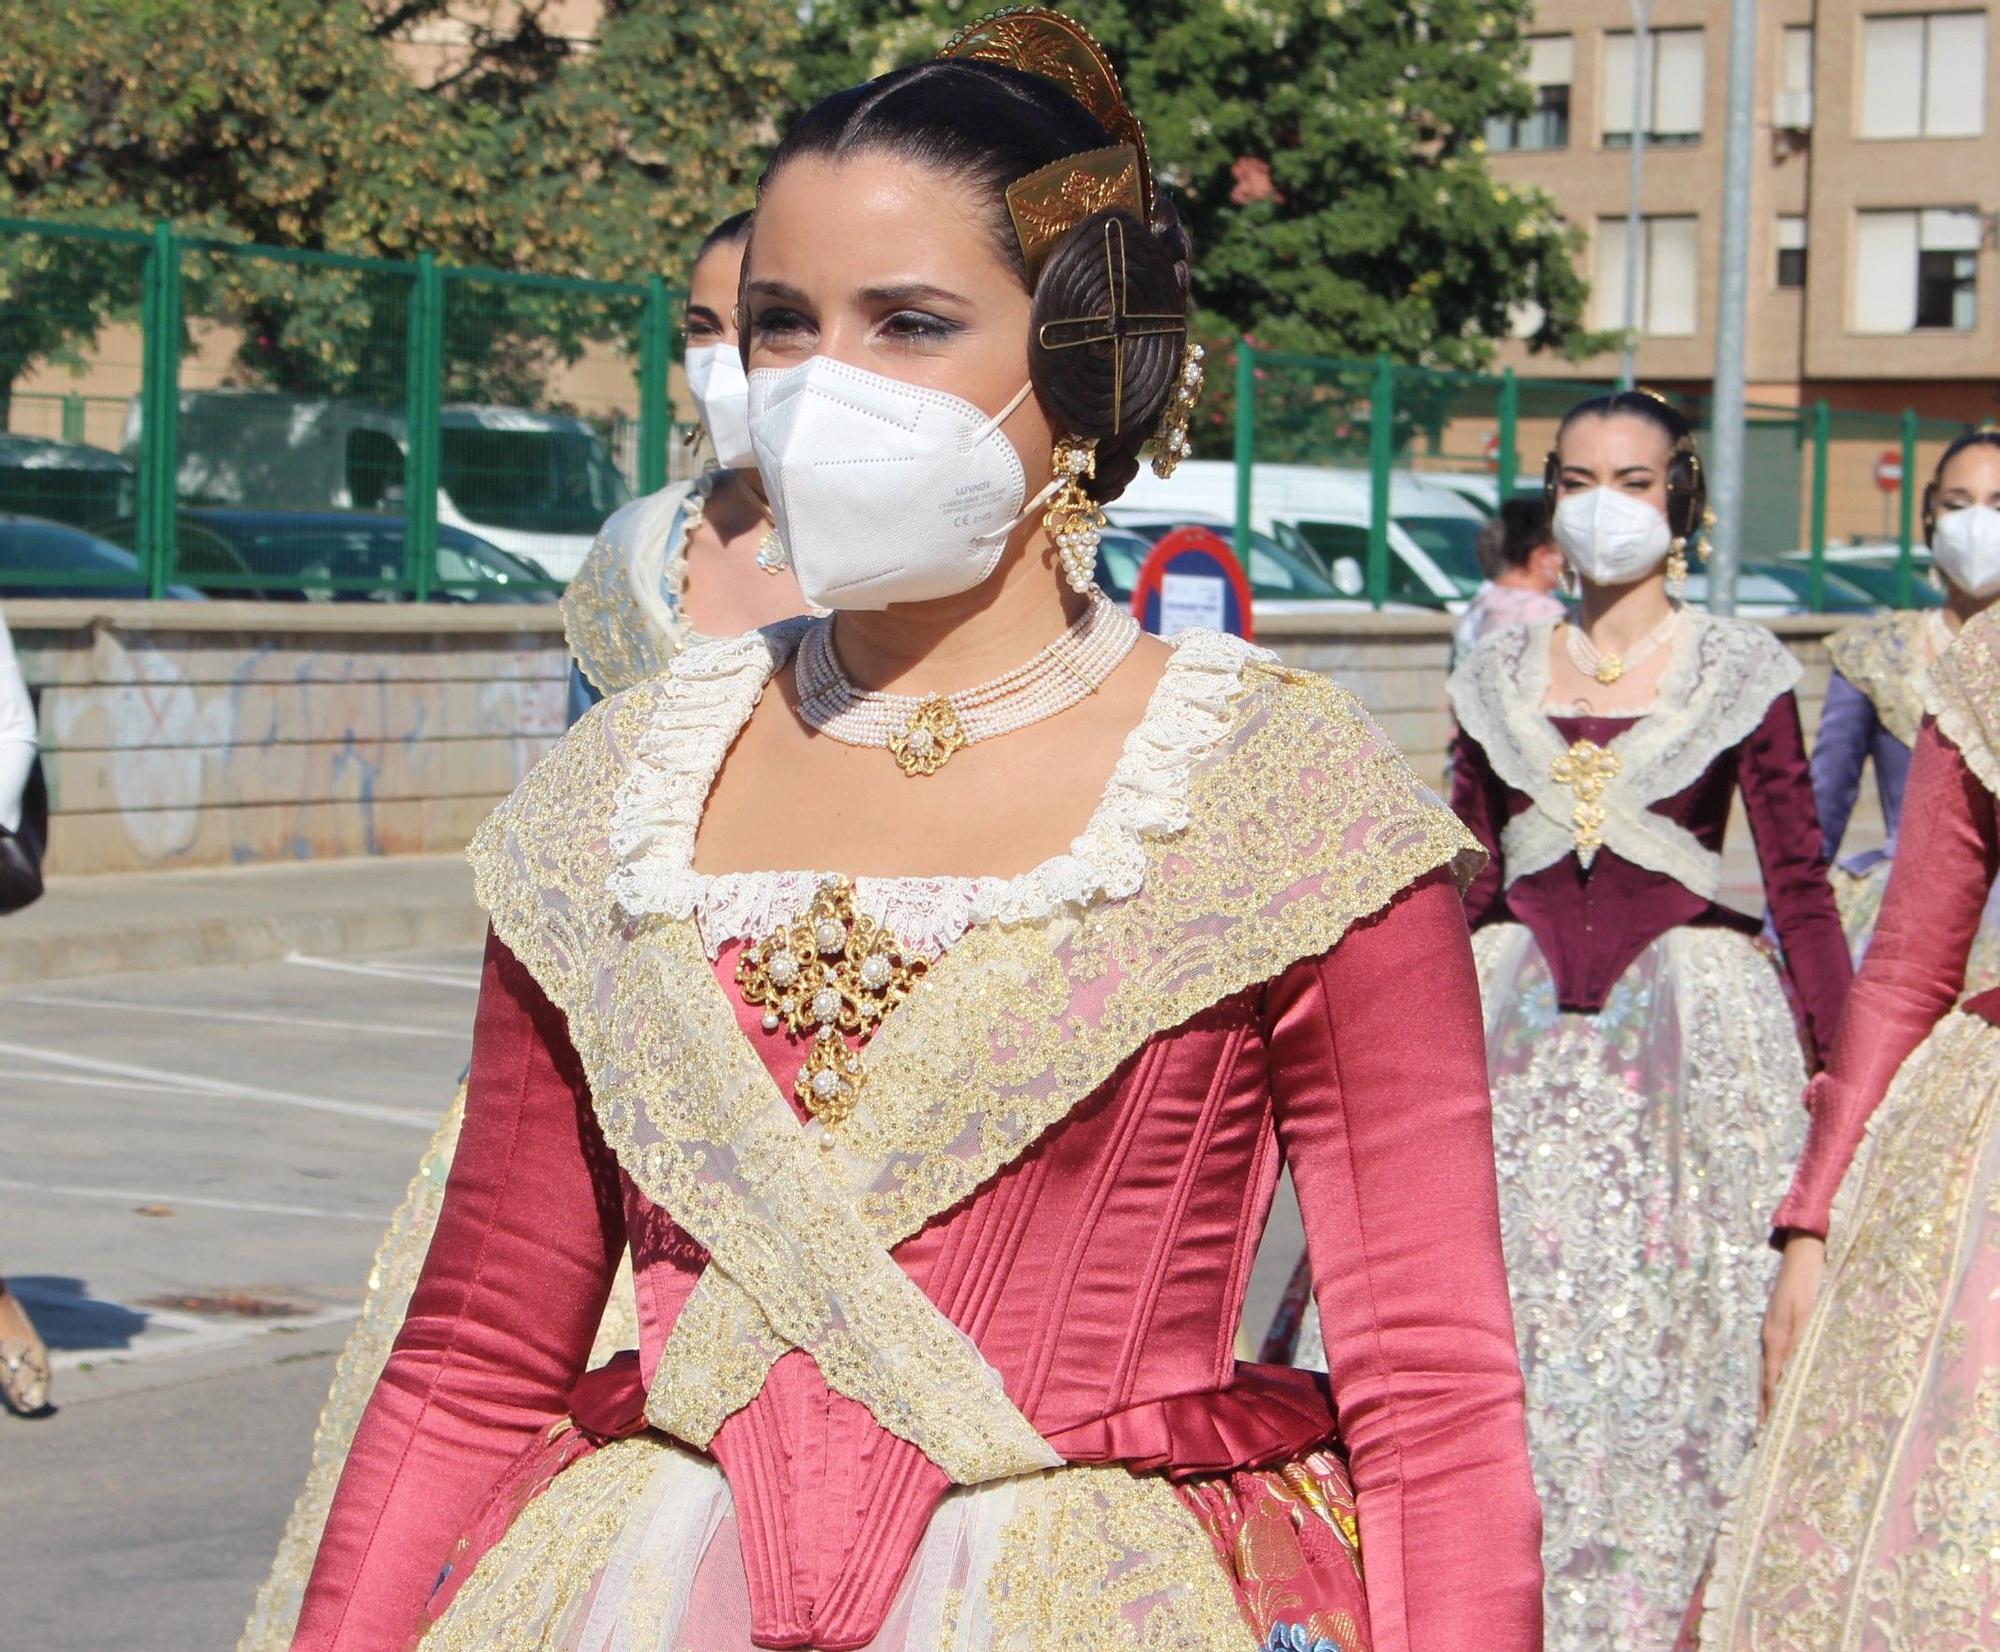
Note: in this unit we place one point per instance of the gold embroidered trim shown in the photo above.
(1816, 1550)
(1962, 691)
(1105, 1559)
(614, 639)
(1303, 820)
(1884, 657)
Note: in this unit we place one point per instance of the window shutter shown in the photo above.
(1885, 272)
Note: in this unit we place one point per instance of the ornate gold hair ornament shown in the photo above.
(1046, 205)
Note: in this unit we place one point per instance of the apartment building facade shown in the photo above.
(1875, 199)
(1875, 190)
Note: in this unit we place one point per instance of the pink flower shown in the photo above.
(1252, 174)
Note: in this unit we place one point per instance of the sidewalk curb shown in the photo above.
(142, 922)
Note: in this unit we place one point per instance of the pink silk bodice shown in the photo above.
(1947, 856)
(1101, 1274)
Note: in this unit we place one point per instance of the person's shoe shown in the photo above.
(24, 1361)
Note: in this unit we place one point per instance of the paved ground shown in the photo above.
(237, 1135)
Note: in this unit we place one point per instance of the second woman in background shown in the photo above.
(1644, 1059)
(699, 557)
(1872, 705)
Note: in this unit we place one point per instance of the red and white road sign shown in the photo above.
(1889, 470)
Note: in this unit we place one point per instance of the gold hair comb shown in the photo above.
(1047, 204)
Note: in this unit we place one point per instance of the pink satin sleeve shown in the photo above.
(1378, 1056)
(1947, 854)
(499, 1327)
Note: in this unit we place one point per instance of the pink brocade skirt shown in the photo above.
(588, 1545)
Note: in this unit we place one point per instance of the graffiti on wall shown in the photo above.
(189, 749)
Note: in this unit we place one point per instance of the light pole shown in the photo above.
(1726, 414)
(1634, 193)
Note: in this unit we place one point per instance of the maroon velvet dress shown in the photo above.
(1646, 1062)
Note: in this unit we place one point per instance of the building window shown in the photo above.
(1916, 270)
(1791, 252)
(1924, 75)
(1675, 68)
(1669, 275)
(1550, 58)
(1791, 109)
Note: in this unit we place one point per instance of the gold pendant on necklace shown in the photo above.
(1608, 670)
(831, 972)
(929, 740)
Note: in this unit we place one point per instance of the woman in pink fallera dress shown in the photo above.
(902, 987)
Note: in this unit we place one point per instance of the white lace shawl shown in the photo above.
(718, 683)
(1723, 677)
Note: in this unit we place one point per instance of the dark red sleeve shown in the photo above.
(498, 1330)
(1778, 799)
(1479, 798)
(1947, 855)
(1387, 1128)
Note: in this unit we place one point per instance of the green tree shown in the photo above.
(300, 126)
(1328, 157)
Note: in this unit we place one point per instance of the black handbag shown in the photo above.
(21, 852)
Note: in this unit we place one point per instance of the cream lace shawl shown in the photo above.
(1723, 678)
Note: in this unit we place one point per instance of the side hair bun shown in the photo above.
(1106, 334)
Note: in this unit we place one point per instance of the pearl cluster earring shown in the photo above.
(1075, 522)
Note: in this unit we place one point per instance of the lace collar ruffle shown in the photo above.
(708, 694)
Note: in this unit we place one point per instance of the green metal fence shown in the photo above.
(1379, 475)
(267, 422)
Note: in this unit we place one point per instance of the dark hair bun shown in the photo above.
(1081, 384)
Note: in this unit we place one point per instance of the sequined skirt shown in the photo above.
(634, 1546)
(1869, 1519)
(1640, 1153)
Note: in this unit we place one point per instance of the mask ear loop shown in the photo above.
(987, 429)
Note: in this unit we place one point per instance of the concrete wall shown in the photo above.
(203, 734)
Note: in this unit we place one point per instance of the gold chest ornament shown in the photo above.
(1586, 769)
(833, 973)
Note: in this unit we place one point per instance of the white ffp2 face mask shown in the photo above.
(1965, 545)
(883, 491)
(721, 394)
(1611, 538)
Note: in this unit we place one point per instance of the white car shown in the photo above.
(1324, 513)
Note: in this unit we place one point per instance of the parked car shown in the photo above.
(339, 556)
(1281, 581)
(1874, 566)
(63, 481)
(536, 484)
(1481, 489)
(1322, 513)
(1768, 589)
(39, 558)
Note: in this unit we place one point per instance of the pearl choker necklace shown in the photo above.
(924, 732)
(1608, 668)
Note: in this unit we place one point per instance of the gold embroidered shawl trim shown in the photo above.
(1884, 657)
(1303, 820)
(1962, 691)
(621, 609)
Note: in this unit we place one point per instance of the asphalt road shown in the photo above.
(197, 1168)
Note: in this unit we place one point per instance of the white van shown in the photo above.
(1433, 531)
(536, 484)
